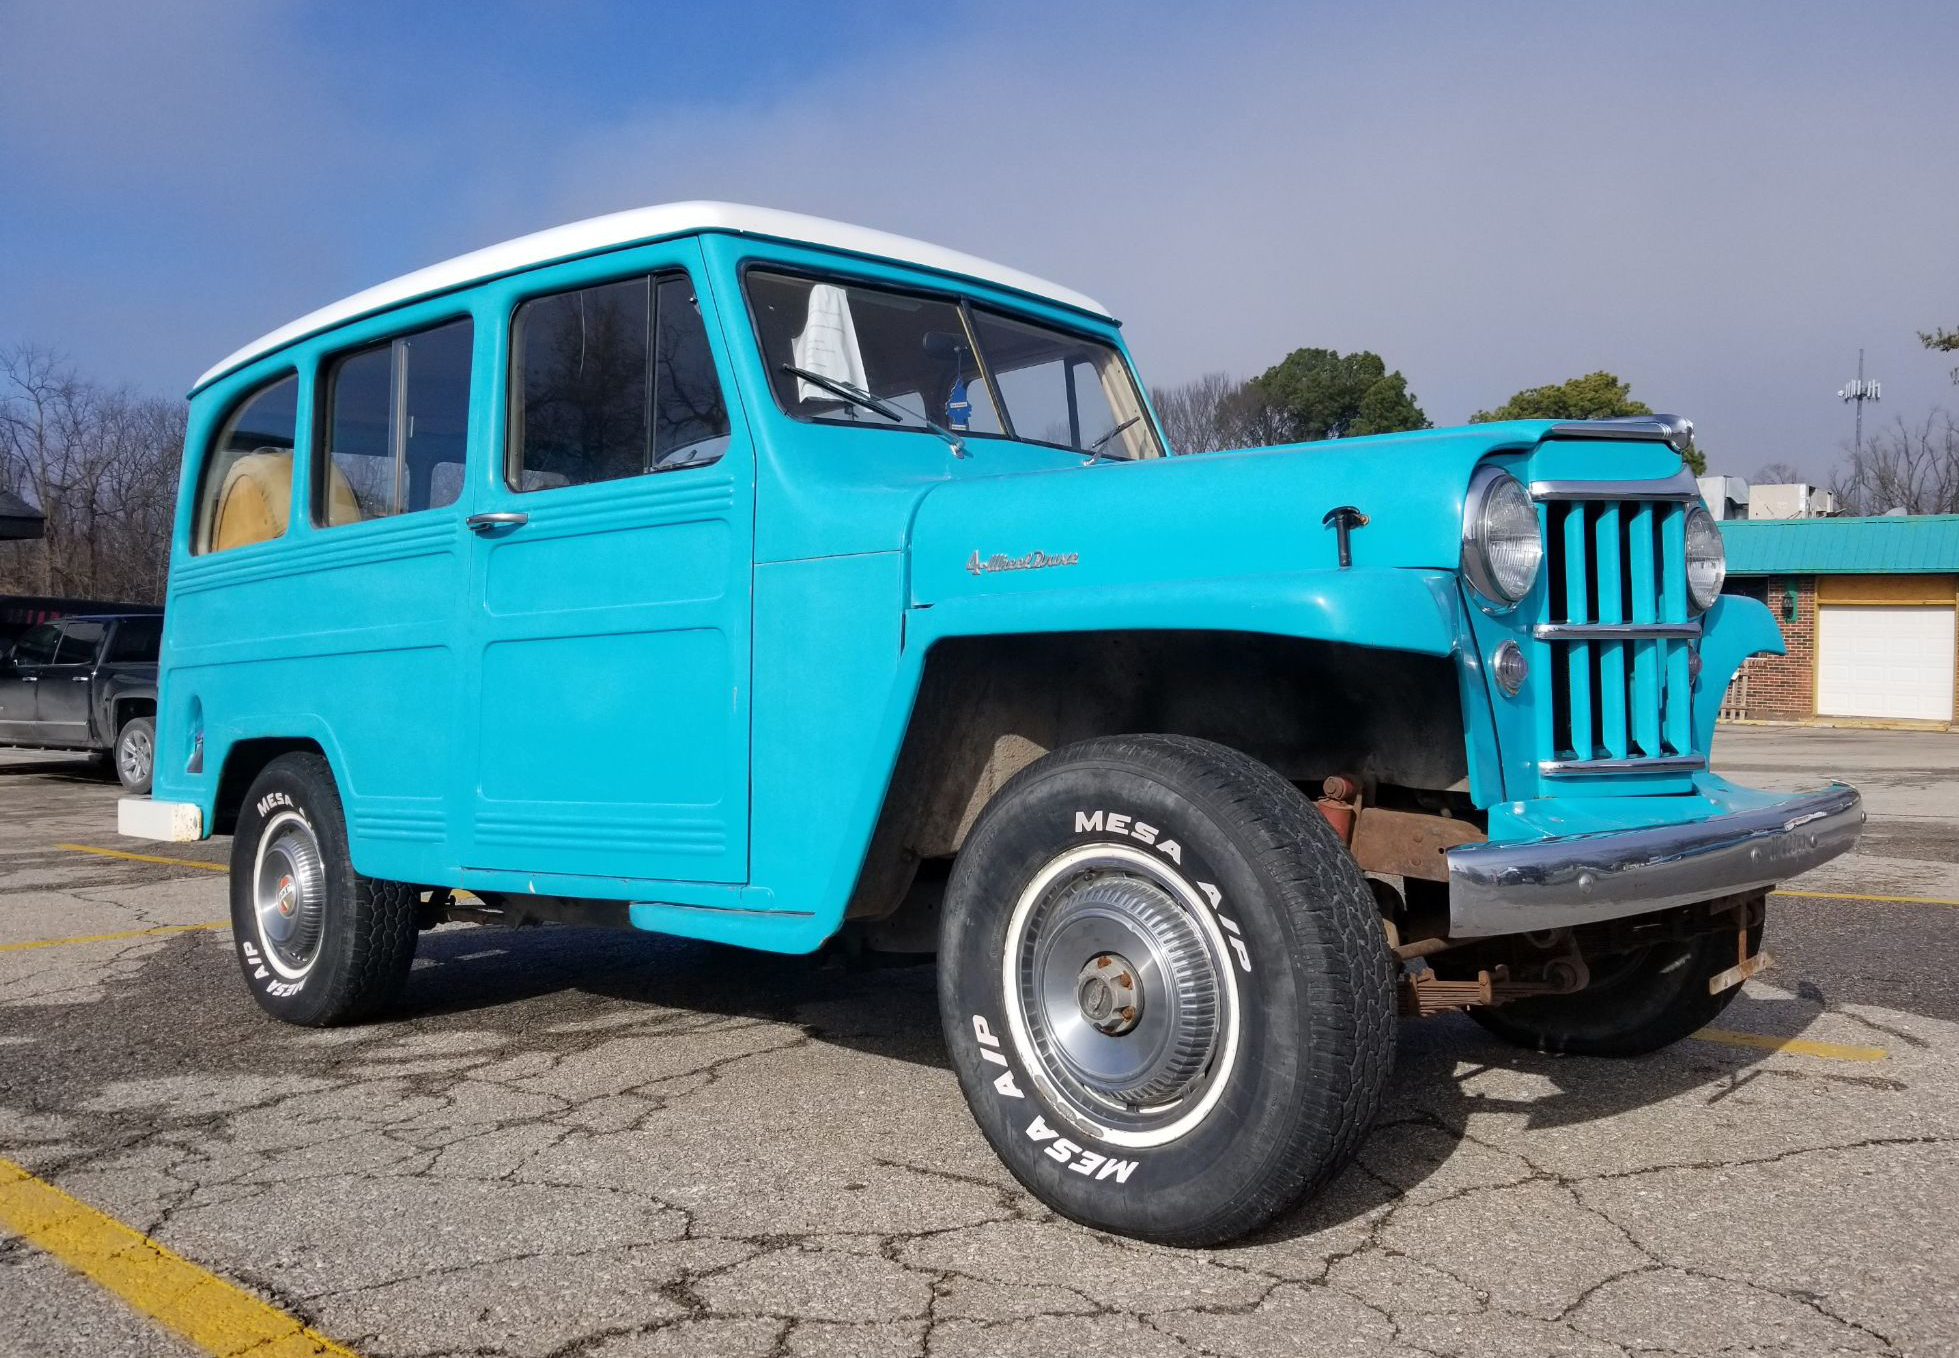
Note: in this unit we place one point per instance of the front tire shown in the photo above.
(1638, 1003)
(319, 944)
(1165, 988)
(135, 755)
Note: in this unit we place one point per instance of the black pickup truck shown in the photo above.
(86, 682)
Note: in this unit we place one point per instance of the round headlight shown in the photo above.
(1501, 545)
(1707, 559)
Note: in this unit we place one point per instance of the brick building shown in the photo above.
(1869, 608)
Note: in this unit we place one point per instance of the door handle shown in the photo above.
(491, 522)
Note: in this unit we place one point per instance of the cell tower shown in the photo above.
(1857, 393)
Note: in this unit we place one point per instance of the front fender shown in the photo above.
(1731, 631)
(1403, 610)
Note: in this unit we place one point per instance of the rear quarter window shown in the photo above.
(136, 640)
(244, 492)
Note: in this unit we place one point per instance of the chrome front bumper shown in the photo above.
(1518, 886)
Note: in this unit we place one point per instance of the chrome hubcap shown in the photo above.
(289, 895)
(1119, 992)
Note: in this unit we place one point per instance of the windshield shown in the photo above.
(935, 360)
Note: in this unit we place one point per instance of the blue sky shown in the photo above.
(1718, 202)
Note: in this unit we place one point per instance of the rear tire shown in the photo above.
(135, 755)
(319, 944)
(1649, 1000)
(1165, 988)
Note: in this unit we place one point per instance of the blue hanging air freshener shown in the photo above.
(958, 410)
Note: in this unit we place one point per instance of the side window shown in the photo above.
(612, 381)
(81, 641)
(244, 492)
(397, 426)
(136, 641)
(37, 644)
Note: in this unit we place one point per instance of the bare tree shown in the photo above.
(1778, 474)
(1913, 467)
(1218, 411)
(1190, 412)
(100, 465)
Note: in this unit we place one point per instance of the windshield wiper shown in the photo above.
(877, 405)
(1095, 449)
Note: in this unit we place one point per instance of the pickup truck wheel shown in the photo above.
(1165, 988)
(1638, 1002)
(136, 754)
(319, 943)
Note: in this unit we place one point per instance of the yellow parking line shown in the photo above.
(217, 1316)
(1852, 896)
(147, 857)
(120, 933)
(1802, 1046)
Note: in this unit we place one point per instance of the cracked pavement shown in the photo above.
(582, 1142)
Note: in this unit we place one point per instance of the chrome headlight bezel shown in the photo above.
(1496, 496)
(1700, 520)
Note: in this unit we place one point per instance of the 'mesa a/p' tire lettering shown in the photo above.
(1115, 1041)
(1118, 823)
(256, 970)
(1063, 1151)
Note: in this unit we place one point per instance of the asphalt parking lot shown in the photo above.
(598, 1143)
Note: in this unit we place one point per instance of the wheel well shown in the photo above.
(243, 763)
(127, 710)
(989, 706)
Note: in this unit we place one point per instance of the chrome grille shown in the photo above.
(1618, 629)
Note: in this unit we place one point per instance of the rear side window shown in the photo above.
(80, 642)
(244, 492)
(136, 640)
(612, 381)
(397, 426)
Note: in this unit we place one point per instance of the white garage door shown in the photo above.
(1884, 660)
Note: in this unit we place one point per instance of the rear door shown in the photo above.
(20, 682)
(62, 703)
(612, 567)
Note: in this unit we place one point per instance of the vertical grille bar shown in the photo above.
(1611, 654)
(1673, 608)
(1578, 608)
(1643, 574)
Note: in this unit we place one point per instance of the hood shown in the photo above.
(1248, 512)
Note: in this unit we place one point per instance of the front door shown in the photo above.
(612, 577)
(20, 683)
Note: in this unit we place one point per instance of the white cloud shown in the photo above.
(1719, 207)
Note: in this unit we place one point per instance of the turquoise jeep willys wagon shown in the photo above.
(749, 577)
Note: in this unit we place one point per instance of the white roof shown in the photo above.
(635, 225)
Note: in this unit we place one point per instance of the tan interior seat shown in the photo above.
(256, 498)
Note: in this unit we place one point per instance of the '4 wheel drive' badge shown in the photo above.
(1000, 561)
